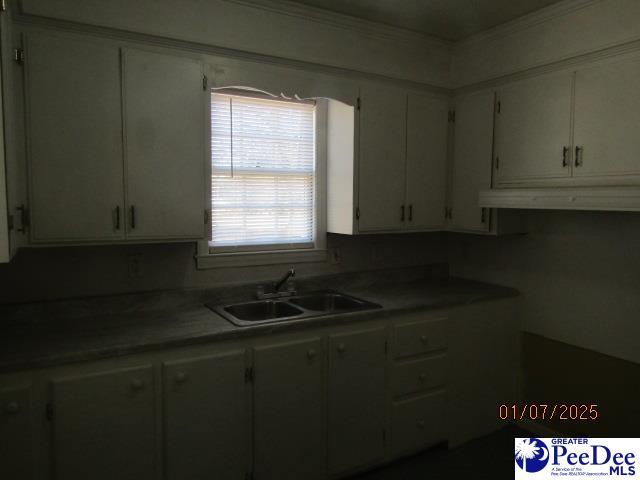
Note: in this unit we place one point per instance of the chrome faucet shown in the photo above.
(275, 292)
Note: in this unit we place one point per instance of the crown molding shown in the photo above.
(347, 22)
(564, 7)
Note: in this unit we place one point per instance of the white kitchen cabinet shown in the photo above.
(104, 425)
(533, 129)
(357, 389)
(426, 175)
(74, 140)
(472, 161)
(289, 410)
(16, 447)
(164, 125)
(206, 420)
(382, 158)
(607, 119)
(418, 423)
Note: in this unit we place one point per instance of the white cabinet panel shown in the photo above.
(426, 161)
(16, 429)
(607, 119)
(472, 160)
(382, 158)
(104, 426)
(164, 145)
(289, 411)
(75, 138)
(533, 127)
(418, 423)
(357, 391)
(206, 418)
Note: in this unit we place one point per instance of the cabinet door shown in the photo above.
(104, 426)
(533, 127)
(74, 140)
(356, 399)
(289, 411)
(205, 418)
(426, 161)
(4, 225)
(382, 158)
(16, 448)
(164, 137)
(472, 160)
(607, 118)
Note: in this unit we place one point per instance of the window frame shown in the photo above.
(210, 257)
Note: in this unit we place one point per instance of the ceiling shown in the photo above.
(445, 19)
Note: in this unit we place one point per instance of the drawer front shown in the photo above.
(420, 337)
(418, 375)
(418, 423)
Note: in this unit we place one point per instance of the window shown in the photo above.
(264, 174)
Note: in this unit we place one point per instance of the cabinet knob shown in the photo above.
(311, 353)
(341, 348)
(422, 377)
(181, 377)
(421, 424)
(137, 385)
(12, 408)
(424, 339)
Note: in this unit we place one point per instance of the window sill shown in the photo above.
(207, 260)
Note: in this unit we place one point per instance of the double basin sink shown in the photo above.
(290, 308)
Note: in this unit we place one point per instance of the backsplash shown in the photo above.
(72, 272)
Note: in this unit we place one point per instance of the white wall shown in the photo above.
(326, 39)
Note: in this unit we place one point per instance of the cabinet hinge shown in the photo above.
(18, 55)
(498, 106)
(358, 103)
(205, 81)
(248, 374)
(452, 116)
(497, 163)
(386, 347)
(48, 413)
(357, 213)
(206, 216)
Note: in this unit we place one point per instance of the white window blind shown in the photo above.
(263, 172)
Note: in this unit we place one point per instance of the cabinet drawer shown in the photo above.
(420, 337)
(418, 423)
(418, 375)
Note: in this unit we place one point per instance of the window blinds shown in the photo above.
(263, 166)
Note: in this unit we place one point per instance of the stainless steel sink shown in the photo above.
(327, 302)
(291, 308)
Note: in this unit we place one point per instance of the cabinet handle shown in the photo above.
(421, 424)
(12, 408)
(411, 213)
(402, 213)
(565, 152)
(181, 377)
(132, 212)
(422, 377)
(424, 339)
(117, 219)
(311, 353)
(341, 348)
(578, 160)
(137, 385)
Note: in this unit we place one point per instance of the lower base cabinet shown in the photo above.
(206, 420)
(418, 423)
(289, 410)
(104, 426)
(16, 442)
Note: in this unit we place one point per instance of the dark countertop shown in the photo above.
(47, 334)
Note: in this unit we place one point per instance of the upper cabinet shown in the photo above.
(533, 129)
(164, 116)
(472, 161)
(402, 161)
(607, 119)
(95, 179)
(75, 139)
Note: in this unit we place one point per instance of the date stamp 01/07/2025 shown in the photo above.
(551, 411)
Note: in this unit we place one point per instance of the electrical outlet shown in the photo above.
(134, 265)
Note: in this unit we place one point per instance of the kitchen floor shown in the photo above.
(489, 457)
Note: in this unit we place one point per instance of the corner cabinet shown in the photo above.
(94, 177)
(402, 160)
